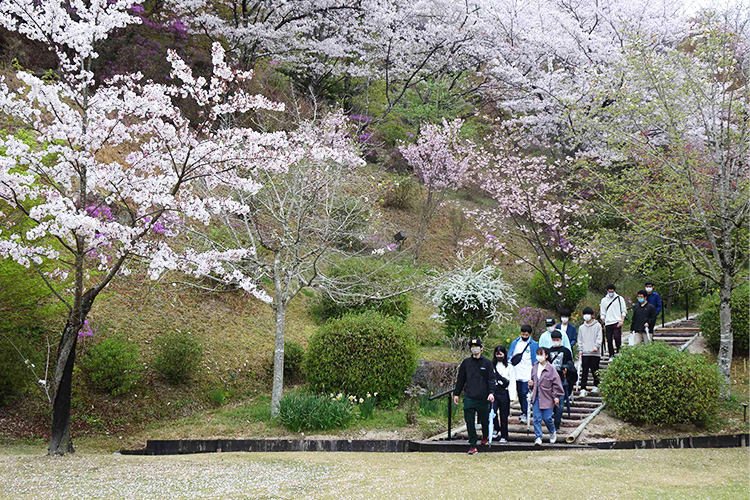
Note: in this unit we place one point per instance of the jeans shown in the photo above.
(546, 416)
(472, 407)
(502, 409)
(614, 338)
(522, 388)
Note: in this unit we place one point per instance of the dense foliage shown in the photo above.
(360, 354)
(657, 384)
(113, 365)
(179, 356)
(301, 411)
(709, 319)
(568, 297)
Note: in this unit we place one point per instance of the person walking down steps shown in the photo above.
(546, 392)
(590, 349)
(476, 376)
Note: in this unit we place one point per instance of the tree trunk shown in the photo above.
(278, 359)
(727, 340)
(60, 440)
(423, 225)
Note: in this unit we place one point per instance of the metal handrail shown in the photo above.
(687, 302)
(448, 393)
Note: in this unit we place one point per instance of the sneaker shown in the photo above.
(495, 435)
(553, 438)
(503, 440)
(595, 389)
(473, 450)
(538, 442)
(584, 393)
(484, 441)
(612, 358)
(523, 418)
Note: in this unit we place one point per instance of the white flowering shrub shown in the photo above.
(468, 301)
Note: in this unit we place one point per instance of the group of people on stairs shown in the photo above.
(543, 374)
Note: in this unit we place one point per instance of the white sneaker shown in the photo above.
(495, 434)
(611, 358)
(595, 389)
(523, 418)
(584, 393)
(553, 438)
(538, 442)
(503, 440)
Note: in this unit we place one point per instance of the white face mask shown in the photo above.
(540, 358)
(550, 329)
(564, 320)
(610, 294)
(586, 317)
(476, 350)
(649, 289)
(556, 344)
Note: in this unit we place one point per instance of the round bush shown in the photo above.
(364, 274)
(575, 290)
(357, 354)
(294, 359)
(709, 318)
(179, 357)
(112, 365)
(657, 384)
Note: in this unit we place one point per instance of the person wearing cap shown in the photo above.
(521, 353)
(652, 297)
(612, 311)
(567, 328)
(476, 378)
(546, 391)
(562, 359)
(644, 317)
(545, 339)
(589, 349)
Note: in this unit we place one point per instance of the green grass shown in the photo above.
(628, 474)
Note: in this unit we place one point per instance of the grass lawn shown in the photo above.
(627, 474)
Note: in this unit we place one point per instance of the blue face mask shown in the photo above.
(640, 300)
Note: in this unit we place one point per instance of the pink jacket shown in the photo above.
(549, 388)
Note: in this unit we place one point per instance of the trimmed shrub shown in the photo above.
(709, 318)
(294, 360)
(363, 353)
(112, 365)
(575, 290)
(366, 273)
(657, 384)
(404, 194)
(300, 411)
(179, 357)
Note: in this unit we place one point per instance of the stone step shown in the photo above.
(462, 446)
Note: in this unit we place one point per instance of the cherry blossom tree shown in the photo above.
(536, 219)
(682, 125)
(114, 168)
(442, 161)
(301, 220)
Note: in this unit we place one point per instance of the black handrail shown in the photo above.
(687, 302)
(450, 409)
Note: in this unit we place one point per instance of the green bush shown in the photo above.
(364, 275)
(294, 361)
(657, 384)
(709, 319)
(404, 194)
(575, 290)
(357, 354)
(179, 356)
(112, 365)
(302, 411)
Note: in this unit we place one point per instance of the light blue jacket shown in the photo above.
(546, 340)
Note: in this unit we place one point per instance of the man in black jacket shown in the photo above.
(644, 318)
(477, 377)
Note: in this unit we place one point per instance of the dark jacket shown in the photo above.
(654, 299)
(477, 377)
(643, 315)
(562, 359)
(572, 333)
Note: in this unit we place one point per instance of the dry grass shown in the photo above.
(630, 474)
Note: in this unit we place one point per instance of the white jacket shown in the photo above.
(616, 311)
(508, 372)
